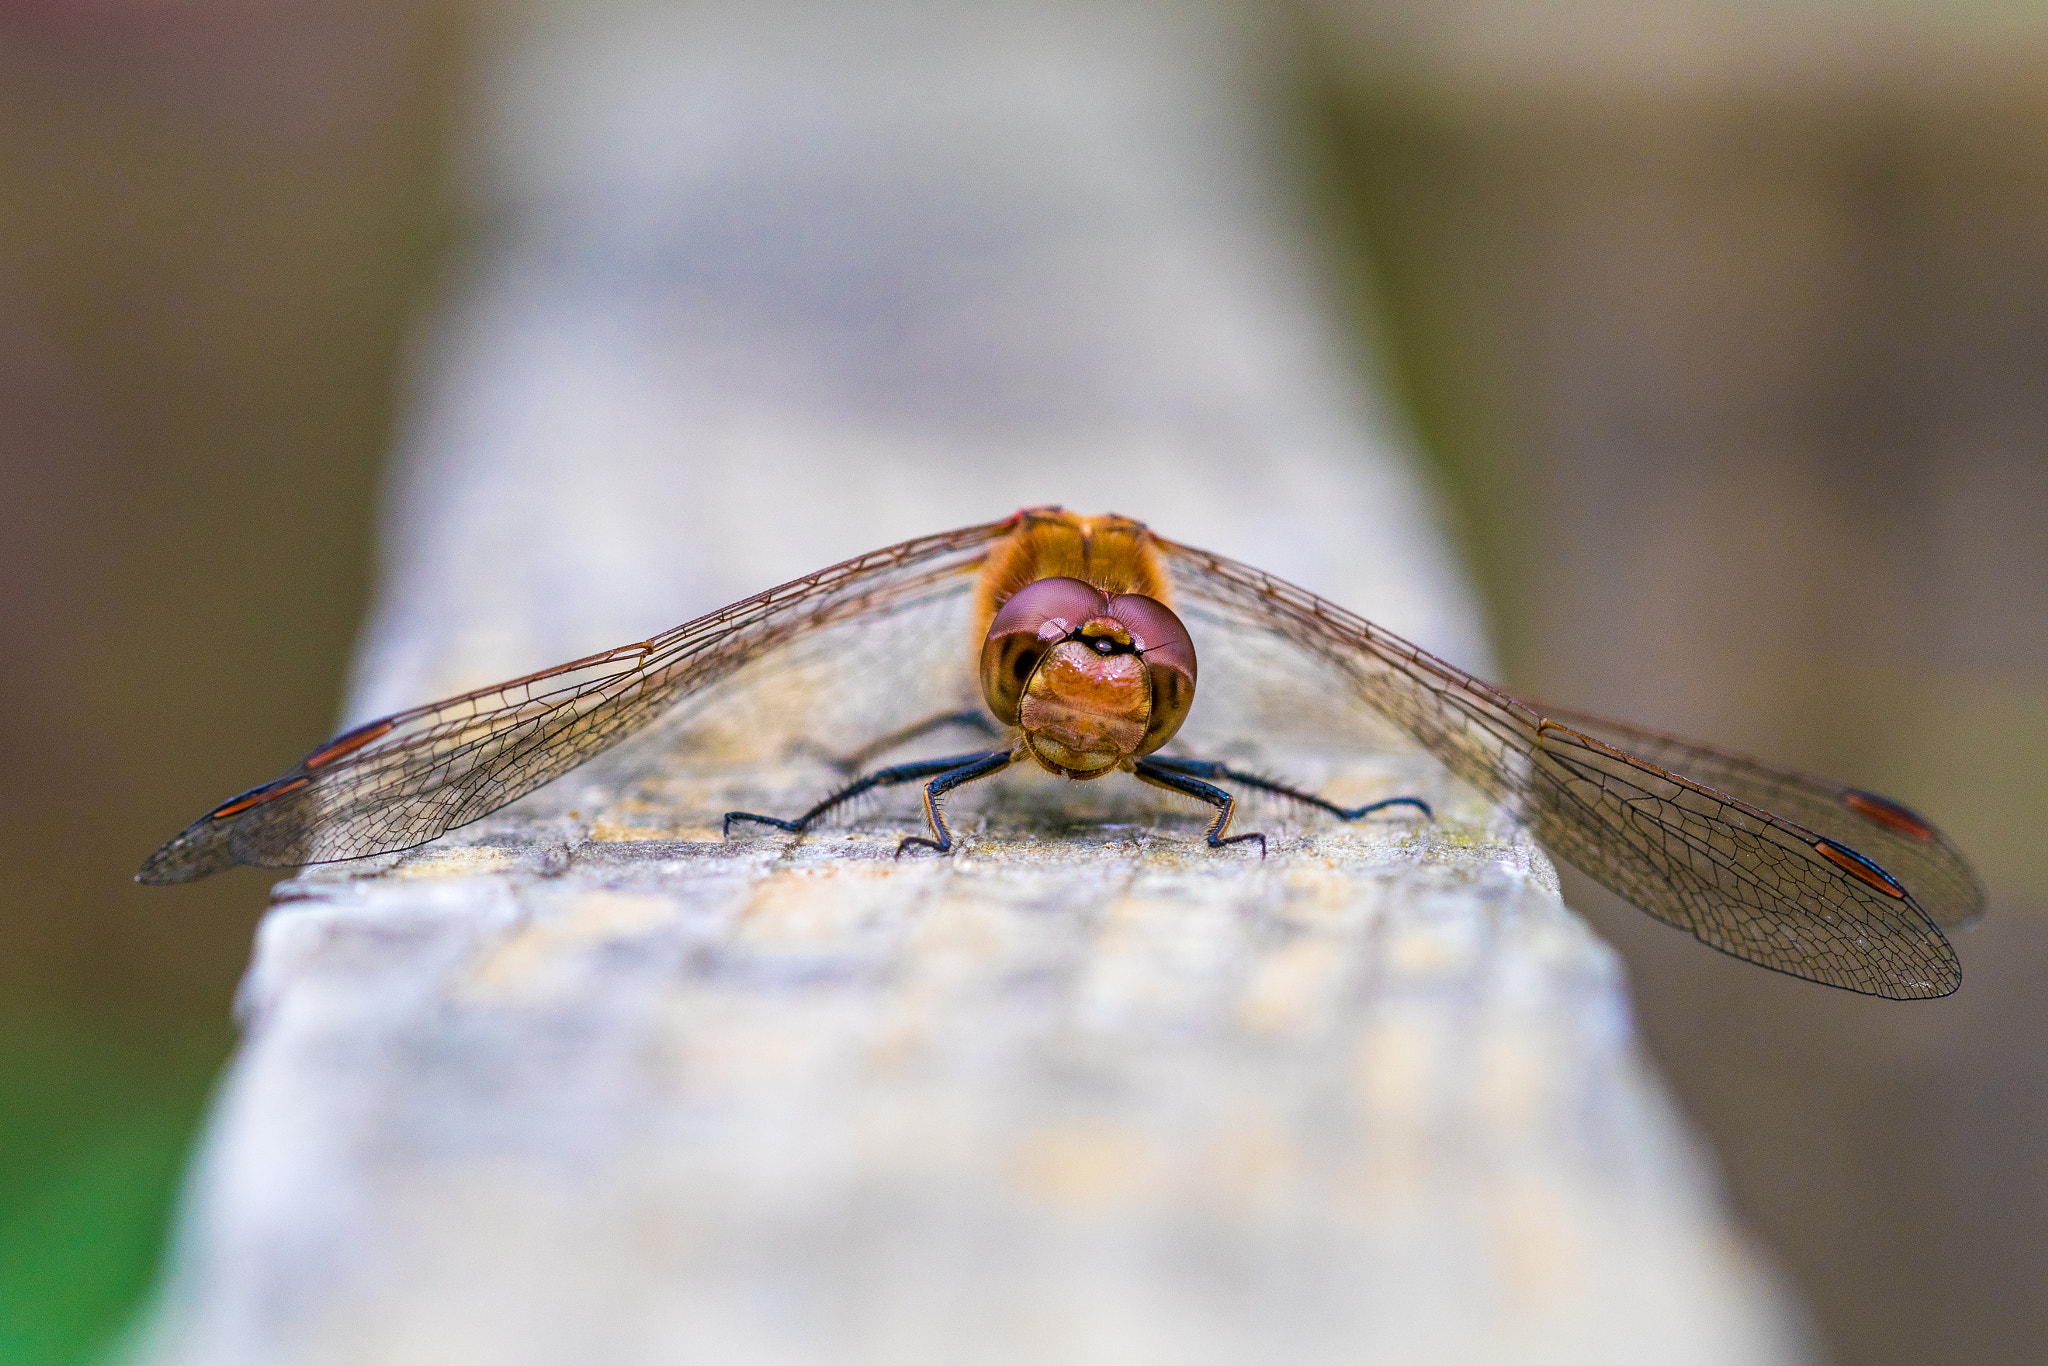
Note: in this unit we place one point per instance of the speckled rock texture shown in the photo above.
(587, 1082)
(610, 1090)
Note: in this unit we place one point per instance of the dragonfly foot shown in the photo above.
(777, 822)
(920, 842)
(1215, 843)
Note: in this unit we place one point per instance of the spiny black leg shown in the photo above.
(978, 766)
(1210, 768)
(1175, 780)
(970, 718)
(881, 777)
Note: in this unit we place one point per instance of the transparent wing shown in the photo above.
(1690, 835)
(402, 780)
(1897, 838)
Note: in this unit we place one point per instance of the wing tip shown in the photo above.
(200, 850)
(1943, 984)
(1939, 976)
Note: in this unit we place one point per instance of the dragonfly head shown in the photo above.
(1092, 678)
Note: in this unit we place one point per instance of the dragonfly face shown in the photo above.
(1082, 649)
(1093, 679)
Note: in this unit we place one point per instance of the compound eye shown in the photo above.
(1169, 655)
(1037, 617)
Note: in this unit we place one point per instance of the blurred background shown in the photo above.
(1726, 328)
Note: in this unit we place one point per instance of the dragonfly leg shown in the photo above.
(969, 718)
(975, 766)
(1176, 779)
(1210, 768)
(881, 777)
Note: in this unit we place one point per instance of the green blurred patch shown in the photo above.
(94, 1129)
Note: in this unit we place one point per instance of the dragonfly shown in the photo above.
(1087, 668)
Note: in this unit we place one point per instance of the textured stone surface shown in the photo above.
(587, 1083)
(608, 1089)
